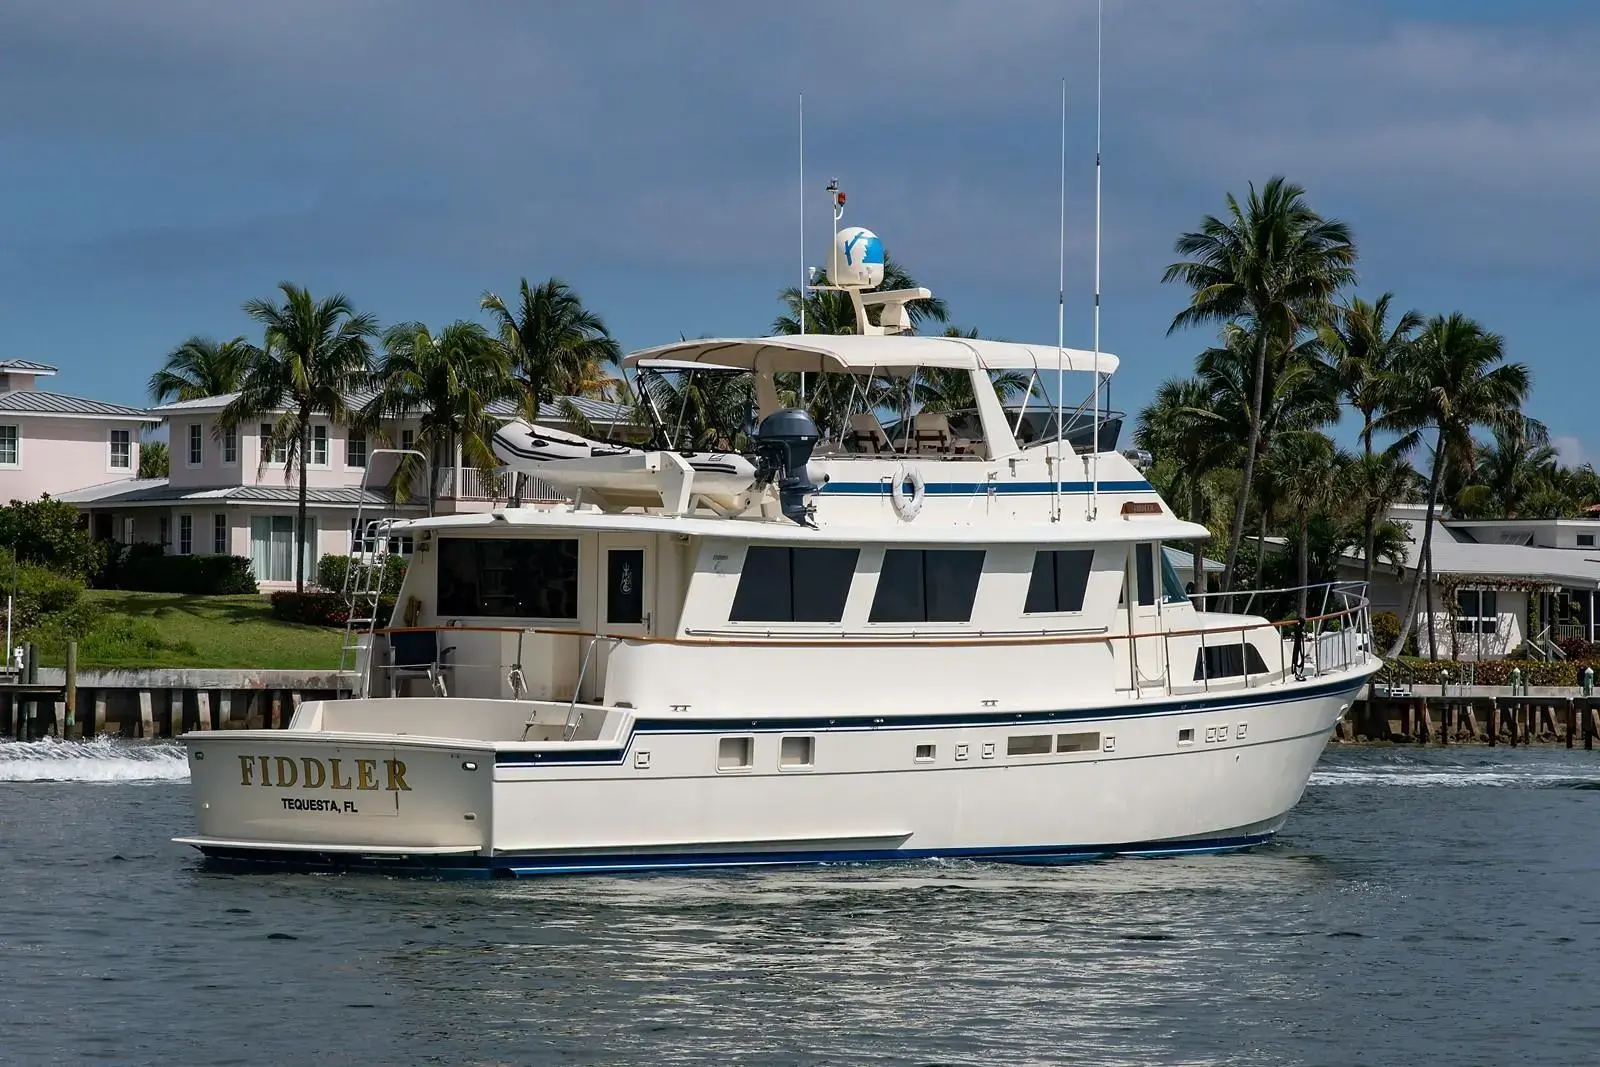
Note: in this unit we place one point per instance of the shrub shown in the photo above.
(320, 607)
(1578, 648)
(52, 534)
(1498, 671)
(332, 569)
(41, 595)
(1385, 629)
(147, 568)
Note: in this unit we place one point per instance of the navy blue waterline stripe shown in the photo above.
(612, 755)
(523, 865)
(960, 488)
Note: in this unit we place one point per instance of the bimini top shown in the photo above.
(852, 353)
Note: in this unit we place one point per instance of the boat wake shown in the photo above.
(100, 760)
(1419, 774)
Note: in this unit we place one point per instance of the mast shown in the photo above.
(804, 277)
(1061, 312)
(1094, 455)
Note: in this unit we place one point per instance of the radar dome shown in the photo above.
(857, 259)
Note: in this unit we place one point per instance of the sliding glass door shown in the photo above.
(272, 547)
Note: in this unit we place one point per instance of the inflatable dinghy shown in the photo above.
(571, 461)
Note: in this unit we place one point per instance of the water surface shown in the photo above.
(1423, 907)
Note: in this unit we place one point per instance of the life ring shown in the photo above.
(906, 506)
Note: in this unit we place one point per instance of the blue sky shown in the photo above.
(162, 162)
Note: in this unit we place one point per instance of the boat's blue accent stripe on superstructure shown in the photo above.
(881, 488)
(598, 754)
(613, 863)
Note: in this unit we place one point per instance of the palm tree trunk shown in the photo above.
(1236, 531)
(300, 505)
(1407, 620)
(1369, 516)
(433, 477)
(1304, 567)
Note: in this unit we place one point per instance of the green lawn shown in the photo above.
(178, 630)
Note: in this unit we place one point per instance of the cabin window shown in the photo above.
(927, 585)
(1586, 540)
(1477, 611)
(1084, 742)
(1028, 745)
(736, 753)
(1227, 661)
(502, 577)
(925, 753)
(797, 752)
(625, 586)
(1172, 590)
(1059, 580)
(793, 584)
(1144, 573)
(1186, 736)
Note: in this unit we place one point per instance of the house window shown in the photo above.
(127, 529)
(1059, 580)
(927, 585)
(10, 446)
(230, 445)
(1477, 611)
(165, 533)
(196, 444)
(121, 450)
(219, 534)
(272, 547)
(793, 584)
(319, 446)
(355, 449)
(408, 439)
(185, 535)
(505, 578)
(280, 449)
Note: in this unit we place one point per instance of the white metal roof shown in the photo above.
(1579, 568)
(854, 353)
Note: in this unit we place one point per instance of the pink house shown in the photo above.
(52, 443)
(223, 496)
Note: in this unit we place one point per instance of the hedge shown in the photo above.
(320, 607)
(1495, 671)
(146, 568)
(331, 571)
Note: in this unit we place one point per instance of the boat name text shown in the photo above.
(308, 772)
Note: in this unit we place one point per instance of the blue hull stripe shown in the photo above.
(613, 755)
(511, 865)
(1003, 488)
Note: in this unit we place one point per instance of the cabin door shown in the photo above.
(626, 599)
(1143, 597)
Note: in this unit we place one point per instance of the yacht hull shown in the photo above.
(1169, 776)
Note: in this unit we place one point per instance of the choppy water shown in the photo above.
(1424, 907)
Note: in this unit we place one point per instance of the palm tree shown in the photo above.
(698, 409)
(1366, 351)
(201, 367)
(1376, 484)
(313, 353)
(1308, 471)
(1454, 381)
(154, 460)
(1273, 265)
(1182, 424)
(446, 382)
(557, 348)
(1518, 464)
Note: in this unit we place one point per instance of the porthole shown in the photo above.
(797, 753)
(925, 753)
(736, 753)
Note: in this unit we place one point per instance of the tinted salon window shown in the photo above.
(508, 578)
(1059, 580)
(932, 585)
(793, 584)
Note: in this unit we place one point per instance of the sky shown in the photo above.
(163, 162)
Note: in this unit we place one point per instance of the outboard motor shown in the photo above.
(784, 441)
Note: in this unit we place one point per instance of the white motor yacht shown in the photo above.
(829, 646)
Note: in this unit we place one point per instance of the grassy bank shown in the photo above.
(179, 630)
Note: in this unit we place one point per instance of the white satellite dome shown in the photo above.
(857, 259)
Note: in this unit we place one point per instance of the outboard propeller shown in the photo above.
(784, 442)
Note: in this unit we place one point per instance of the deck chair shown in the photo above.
(932, 432)
(416, 654)
(866, 434)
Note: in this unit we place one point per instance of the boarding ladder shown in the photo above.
(363, 578)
